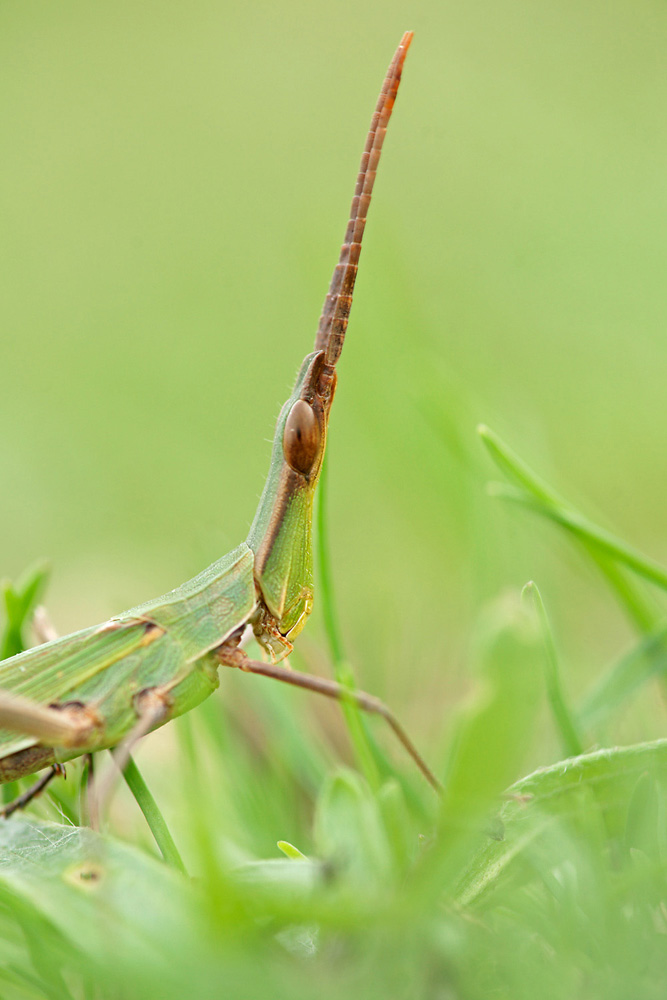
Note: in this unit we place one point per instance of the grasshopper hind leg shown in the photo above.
(33, 792)
(153, 707)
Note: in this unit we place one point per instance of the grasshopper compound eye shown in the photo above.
(301, 437)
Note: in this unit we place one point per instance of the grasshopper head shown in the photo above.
(281, 533)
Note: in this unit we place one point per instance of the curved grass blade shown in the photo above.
(648, 659)
(565, 722)
(600, 544)
(364, 749)
(20, 599)
(152, 815)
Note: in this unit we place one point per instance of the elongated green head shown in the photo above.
(281, 533)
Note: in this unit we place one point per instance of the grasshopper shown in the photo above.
(112, 683)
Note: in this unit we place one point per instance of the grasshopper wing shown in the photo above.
(161, 644)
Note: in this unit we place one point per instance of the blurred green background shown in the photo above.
(174, 184)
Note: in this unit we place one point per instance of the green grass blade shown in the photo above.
(531, 491)
(365, 752)
(613, 557)
(565, 723)
(20, 599)
(647, 660)
(372, 762)
(642, 613)
(515, 468)
(290, 851)
(331, 625)
(588, 532)
(154, 817)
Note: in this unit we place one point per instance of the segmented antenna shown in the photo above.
(333, 321)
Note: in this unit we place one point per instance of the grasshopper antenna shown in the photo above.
(333, 321)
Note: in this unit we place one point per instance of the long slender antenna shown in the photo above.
(337, 305)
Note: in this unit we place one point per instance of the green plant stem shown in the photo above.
(604, 547)
(615, 688)
(565, 723)
(585, 530)
(342, 669)
(613, 557)
(20, 599)
(641, 613)
(153, 816)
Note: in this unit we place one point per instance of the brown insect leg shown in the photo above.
(153, 707)
(42, 625)
(330, 689)
(59, 727)
(23, 800)
(86, 788)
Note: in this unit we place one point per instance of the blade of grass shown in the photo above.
(646, 660)
(586, 531)
(359, 735)
(601, 545)
(20, 599)
(641, 612)
(153, 816)
(613, 557)
(565, 723)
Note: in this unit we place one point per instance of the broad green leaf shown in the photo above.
(573, 792)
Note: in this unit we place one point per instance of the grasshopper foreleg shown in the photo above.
(233, 657)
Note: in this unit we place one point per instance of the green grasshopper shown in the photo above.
(114, 682)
